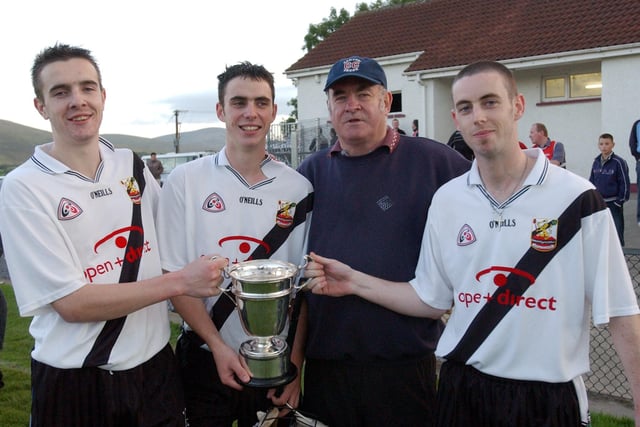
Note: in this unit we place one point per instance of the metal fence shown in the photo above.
(607, 376)
(292, 142)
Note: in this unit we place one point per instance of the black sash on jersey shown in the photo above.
(99, 354)
(224, 306)
(533, 262)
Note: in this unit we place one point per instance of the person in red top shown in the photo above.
(552, 149)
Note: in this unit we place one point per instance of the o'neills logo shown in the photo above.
(284, 216)
(544, 236)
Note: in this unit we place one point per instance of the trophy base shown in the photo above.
(285, 379)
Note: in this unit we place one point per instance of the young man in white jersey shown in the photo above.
(242, 204)
(77, 223)
(517, 341)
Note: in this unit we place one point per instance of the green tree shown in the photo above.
(293, 116)
(319, 32)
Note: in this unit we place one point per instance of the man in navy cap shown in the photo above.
(367, 365)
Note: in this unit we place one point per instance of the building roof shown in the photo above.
(450, 33)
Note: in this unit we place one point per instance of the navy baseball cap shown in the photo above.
(356, 66)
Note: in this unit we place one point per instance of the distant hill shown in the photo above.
(17, 142)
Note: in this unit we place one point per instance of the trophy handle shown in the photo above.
(307, 258)
(226, 291)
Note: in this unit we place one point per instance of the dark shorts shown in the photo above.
(147, 395)
(467, 397)
(209, 402)
(383, 393)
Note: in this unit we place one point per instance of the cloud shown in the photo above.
(158, 56)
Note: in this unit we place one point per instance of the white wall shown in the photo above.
(621, 103)
(576, 124)
(312, 101)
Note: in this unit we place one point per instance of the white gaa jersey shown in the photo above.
(207, 207)
(472, 244)
(61, 231)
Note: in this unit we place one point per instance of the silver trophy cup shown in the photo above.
(263, 290)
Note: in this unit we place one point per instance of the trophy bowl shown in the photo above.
(263, 290)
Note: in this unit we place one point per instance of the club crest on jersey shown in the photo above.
(214, 203)
(466, 236)
(68, 209)
(284, 216)
(544, 234)
(133, 190)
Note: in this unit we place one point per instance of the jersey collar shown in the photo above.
(52, 166)
(535, 177)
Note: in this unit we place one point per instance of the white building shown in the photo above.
(576, 62)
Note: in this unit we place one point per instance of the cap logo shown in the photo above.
(351, 65)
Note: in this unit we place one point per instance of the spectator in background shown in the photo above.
(634, 146)
(610, 175)
(552, 149)
(320, 140)
(333, 136)
(457, 142)
(3, 317)
(414, 128)
(156, 167)
(395, 123)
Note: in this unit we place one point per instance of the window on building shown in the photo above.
(554, 88)
(572, 86)
(396, 104)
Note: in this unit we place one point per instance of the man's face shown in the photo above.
(537, 136)
(358, 110)
(485, 113)
(73, 100)
(248, 112)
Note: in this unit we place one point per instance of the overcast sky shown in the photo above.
(156, 56)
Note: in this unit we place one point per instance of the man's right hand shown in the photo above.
(329, 277)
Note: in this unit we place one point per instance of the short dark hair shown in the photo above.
(540, 127)
(487, 66)
(245, 70)
(59, 52)
(606, 136)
